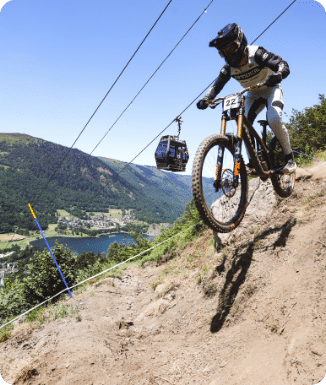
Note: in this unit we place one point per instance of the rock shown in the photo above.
(124, 324)
(261, 202)
(220, 239)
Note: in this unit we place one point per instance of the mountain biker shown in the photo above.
(250, 65)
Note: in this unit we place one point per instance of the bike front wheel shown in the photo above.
(224, 209)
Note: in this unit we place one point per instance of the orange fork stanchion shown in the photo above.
(47, 245)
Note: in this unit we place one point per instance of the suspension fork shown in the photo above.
(237, 147)
(220, 154)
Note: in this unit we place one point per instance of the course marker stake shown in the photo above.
(47, 245)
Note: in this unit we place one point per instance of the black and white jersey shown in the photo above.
(252, 73)
(260, 65)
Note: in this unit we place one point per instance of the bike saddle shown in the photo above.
(263, 123)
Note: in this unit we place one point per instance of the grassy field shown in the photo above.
(9, 236)
(64, 214)
(114, 213)
(4, 238)
(23, 243)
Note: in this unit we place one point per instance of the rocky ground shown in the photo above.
(251, 312)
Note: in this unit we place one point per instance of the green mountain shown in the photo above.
(172, 189)
(82, 182)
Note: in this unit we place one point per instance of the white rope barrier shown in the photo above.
(300, 153)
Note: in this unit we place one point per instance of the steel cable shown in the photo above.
(115, 177)
(149, 79)
(63, 159)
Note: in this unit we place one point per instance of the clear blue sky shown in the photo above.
(59, 58)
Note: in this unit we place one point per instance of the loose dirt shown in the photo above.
(252, 312)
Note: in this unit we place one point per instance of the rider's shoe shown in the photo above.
(290, 166)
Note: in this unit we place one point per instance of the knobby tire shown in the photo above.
(283, 184)
(200, 197)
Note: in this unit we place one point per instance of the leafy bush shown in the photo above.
(307, 129)
(40, 281)
(12, 298)
(42, 278)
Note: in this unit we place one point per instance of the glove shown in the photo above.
(274, 79)
(202, 104)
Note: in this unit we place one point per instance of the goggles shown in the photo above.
(230, 49)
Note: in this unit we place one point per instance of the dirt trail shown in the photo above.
(252, 312)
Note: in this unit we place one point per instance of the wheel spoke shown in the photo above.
(222, 210)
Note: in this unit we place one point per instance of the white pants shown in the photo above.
(272, 98)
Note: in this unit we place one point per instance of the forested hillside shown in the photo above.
(82, 182)
(168, 187)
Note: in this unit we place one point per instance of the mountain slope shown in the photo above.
(83, 181)
(174, 189)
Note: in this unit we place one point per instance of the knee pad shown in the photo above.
(274, 117)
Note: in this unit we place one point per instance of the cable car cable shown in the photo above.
(101, 103)
(159, 134)
(149, 79)
(204, 11)
(128, 164)
(274, 21)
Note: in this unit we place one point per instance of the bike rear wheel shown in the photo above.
(223, 210)
(283, 183)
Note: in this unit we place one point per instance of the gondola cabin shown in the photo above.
(171, 154)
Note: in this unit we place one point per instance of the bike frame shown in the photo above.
(244, 130)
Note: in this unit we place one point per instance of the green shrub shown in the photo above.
(43, 279)
(307, 129)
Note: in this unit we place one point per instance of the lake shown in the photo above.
(79, 245)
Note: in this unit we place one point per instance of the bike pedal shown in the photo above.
(251, 172)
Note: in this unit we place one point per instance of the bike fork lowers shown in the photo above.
(237, 147)
(220, 155)
(237, 150)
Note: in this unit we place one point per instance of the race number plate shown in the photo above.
(232, 101)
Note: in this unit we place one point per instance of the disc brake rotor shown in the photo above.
(227, 183)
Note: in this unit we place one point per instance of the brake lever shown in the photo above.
(214, 104)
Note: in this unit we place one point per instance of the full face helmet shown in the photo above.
(231, 44)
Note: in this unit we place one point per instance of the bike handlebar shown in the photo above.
(216, 102)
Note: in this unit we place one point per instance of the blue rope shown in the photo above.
(308, 156)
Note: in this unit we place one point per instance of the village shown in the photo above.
(101, 221)
(98, 221)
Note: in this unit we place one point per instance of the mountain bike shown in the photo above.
(219, 175)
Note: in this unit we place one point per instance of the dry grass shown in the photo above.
(8, 237)
(26, 374)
